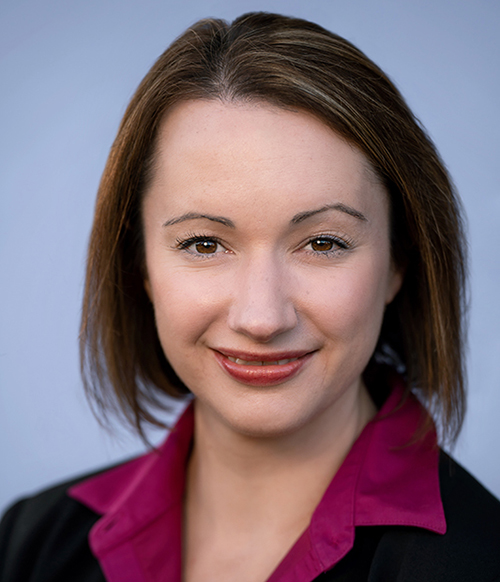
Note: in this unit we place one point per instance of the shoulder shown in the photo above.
(44, 537)
(468, 551)
(468, 505)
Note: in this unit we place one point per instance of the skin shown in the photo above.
(266, 235)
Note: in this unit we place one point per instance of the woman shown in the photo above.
(276, 235)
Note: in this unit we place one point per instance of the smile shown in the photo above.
(262, 369)
(261, 363)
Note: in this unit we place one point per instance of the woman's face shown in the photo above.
(268, 263)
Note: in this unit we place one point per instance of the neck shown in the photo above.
(235, 477)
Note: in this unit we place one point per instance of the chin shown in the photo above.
(266, 417)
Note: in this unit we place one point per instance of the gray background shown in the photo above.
(67, 70)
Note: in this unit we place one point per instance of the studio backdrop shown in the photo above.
(68, 70)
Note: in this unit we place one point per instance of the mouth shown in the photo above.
(261, 363)
(262, 369)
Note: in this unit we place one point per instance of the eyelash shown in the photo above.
(340, 244)
(184, 244)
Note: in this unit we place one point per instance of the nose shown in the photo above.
(261, 304)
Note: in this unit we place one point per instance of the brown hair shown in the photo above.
(297, 65)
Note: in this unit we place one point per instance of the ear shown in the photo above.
(394, 282)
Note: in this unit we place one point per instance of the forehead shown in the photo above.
(217, 149)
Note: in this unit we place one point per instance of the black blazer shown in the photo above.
(44, 539)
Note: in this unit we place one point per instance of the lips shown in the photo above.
(262, 369)
(260, 362)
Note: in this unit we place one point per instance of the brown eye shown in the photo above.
(322, 244)
(206, 247)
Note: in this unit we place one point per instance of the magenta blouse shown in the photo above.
(384, 480)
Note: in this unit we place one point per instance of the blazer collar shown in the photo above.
(386, 479)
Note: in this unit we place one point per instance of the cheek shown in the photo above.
(183, 307)
(350, 304)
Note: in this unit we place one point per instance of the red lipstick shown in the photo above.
(262, 369)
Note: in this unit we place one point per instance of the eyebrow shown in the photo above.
(340, 207)
(295, 220)
(196, 216)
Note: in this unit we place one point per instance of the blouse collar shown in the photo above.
(387, 478)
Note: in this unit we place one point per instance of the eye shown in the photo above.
(322, 244)
(327, 244)
(200, 245)
(205, 247)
